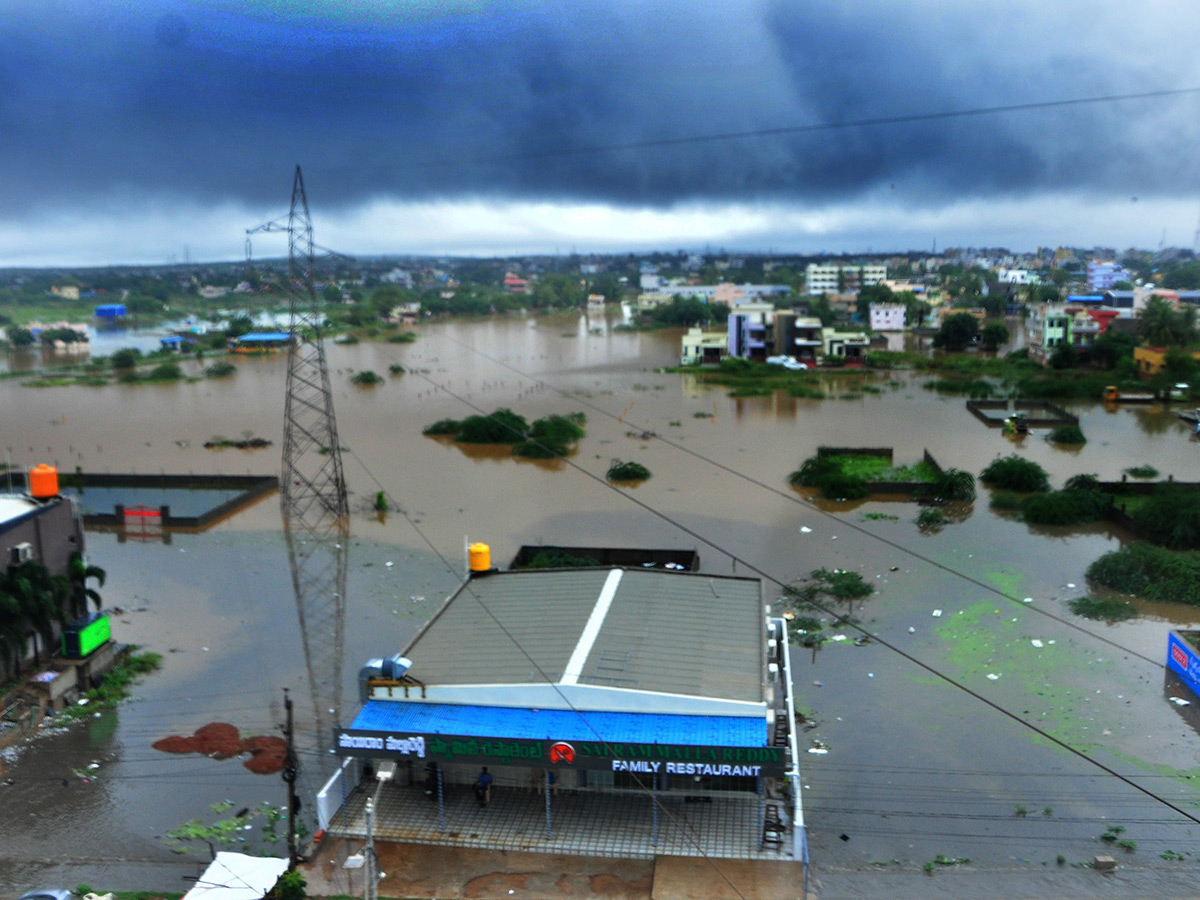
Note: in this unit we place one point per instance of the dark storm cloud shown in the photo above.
(216, 101)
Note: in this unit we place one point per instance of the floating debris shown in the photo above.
(1035, 642)
(992, 676)
(937, 613)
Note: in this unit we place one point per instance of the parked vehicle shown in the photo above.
(787, 362)
(47, 894)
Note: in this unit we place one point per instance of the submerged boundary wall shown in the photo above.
(250, 487)
(1052, 416)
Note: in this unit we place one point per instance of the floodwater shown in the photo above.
(927, 728)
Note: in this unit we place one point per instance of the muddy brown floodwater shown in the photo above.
(916, 766)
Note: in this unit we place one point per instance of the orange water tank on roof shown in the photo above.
(43, 482)
(480, 556)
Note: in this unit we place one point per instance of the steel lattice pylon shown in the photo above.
(315, 510)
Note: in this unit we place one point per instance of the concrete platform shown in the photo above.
(419, 870)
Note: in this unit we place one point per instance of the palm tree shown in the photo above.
(12, 631)
(78, 575)
(40, 597)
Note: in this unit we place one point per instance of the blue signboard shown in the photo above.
(1183, 660)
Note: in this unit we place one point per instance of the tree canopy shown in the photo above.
(956, 331)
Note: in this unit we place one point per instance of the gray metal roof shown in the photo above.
(670, 632)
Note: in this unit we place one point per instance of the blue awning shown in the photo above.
(560, 724)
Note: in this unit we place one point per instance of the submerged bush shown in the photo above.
(442, 428)
(502, 427)
(366, 377)
(826, 472)
(1006, 500)
(627, 471)
(167, 371)
(1171, 517)
(1142, 472)
(1068, 434)
(931, 517)
(1066, 507)
(951, 484)
(1151, 572)
(549, 437)
(220, 370)
(1015, 473)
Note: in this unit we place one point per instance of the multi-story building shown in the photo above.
(797, 336)
(888, 316)
(834, 279)
(750, 330)
(1103, 274)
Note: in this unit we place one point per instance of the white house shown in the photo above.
(887, 316)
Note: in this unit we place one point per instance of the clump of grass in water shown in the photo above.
(1106, 609)
(115, 687)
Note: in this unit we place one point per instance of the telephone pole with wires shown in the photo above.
(290, 770)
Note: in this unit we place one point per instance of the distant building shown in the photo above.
(888, 316)
(66, 291)
(834, 279)
(1102, 275)
(703, 347)
(515, 285)
(848, 345)
(750, 330)
(798, 336)
(1015, 276)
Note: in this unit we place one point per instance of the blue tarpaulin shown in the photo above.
(560, 724)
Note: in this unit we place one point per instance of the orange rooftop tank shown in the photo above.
(480, 557)
(43, 482)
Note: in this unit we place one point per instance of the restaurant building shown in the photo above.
(627, 688)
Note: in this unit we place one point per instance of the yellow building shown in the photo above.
(1150, 360)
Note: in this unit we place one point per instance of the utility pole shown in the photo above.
(289, 777)
(370, 887)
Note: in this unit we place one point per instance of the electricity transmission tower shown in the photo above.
(315, 510)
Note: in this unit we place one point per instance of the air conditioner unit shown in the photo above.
(21, 553)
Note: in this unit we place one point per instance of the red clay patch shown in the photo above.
(220, 740)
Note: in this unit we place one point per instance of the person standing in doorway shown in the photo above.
(483, 787)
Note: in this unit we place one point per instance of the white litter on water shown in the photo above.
(1027, 600)
(911, 630)
(804, 529)
(389, 564)
(1070, 584)
(1036, 642)
(992, 676)
(838, 637)
(937, 613)
(818, 750)
(1179, 701)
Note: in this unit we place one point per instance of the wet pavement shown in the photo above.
(915, 768)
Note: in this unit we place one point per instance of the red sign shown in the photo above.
(562, 752)
(1180, 656)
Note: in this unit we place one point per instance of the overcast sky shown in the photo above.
(154, 130)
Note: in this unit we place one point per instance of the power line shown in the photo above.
(813, 127)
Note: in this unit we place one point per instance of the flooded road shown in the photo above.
(916, 767)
